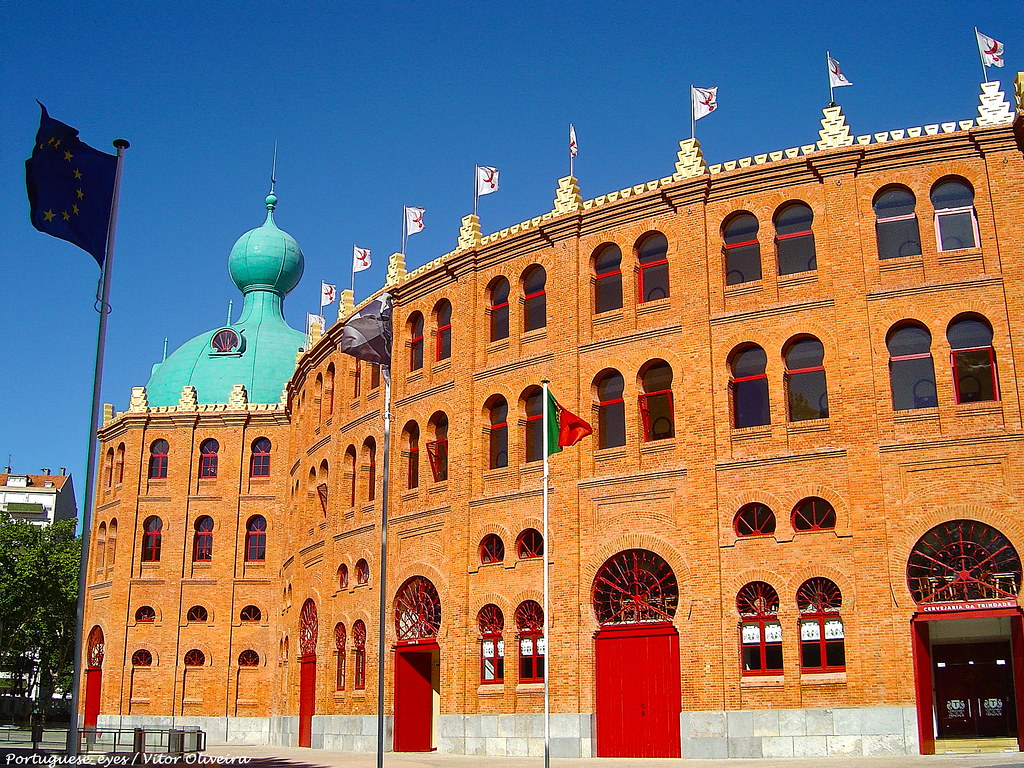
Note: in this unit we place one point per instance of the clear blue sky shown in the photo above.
(376, 105)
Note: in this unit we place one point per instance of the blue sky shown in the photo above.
(379, 105)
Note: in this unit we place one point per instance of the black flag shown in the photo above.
(367, 335)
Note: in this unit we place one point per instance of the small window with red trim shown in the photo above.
(443, 313)
(532, 643)
(491, 622)
(656, 410)
(492, 549)
(806, 388)
(195, 658)
(956, 223)
(437, 449)
(896, 230)
(535, 302)
(362, 572)
(145, 614)
(749, 385)
(973, 360)
(259, 462)
(412, 455)
(607, 279)
(497, 436)
(534, 434)
(822, 637)
(142, 658)
(208, 458)
(611, 410)
(814, 514)
(760, 630)
(197, 613)
(202, 541)
(742, 249)
(499, 293)
(911, 368)
(530, 544)
(754, 520)
(250, 615)
(158, 460)
(794, 240)
(652, 256)
(415, 341)
(248, 658)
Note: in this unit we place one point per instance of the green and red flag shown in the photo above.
(564, 428)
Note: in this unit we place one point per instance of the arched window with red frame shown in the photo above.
(415, 341)
(530, 544)
(208, 450)
(794, 239)
(652, 257)
(607, 279)
(896, 229)
(197, 613)
(806, 388)
(535, 301)
(956, 222)
(491, 622)
(635, 586)
(534, 432)
(973, 359)
(152, 533)
(119, 463)
(532, 643)
(437, 449)
(754, 520)
(250, 614)
(760, 630)
(340, 638)
(742, 249)
(370, 465)
(195, 658)
(350, 474)
(158, 460)
(492, 549)
(96, 648)
(822, 638)
(256, 539)
(497, 436)
(108, 467)
(248, 658)
(357, 379)
(319, 398)
(142, 658)
(814, 514)
(443, 315)
(362, 572)
(359, 655)
(611, 410)
(309, 627)
(145, 614)
(259, 460)
(749, 385)
(412, 455)
(911, 367)
(499, 292)
(202, 540)
(417, 609)
(343, 576)
(329, 390)
(656, 408)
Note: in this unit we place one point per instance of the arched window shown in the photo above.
(374, 375)
(652, 255)
(109, 467)
(152, 530)
(498, 434)
(359, 654)
(101, 546)
(794, 240)
(417, 609)
(343, 576)
(443, 314)
(370, 465)
(158, 460)
(97, 648)
(742, 249)
(814, 514)
(195, 658)
(806, 389)
(491, 622)
(822, 643)
(309, 628)
(329, 388)
(911, 368)
(530, 544)
(611, 410)
(248, 658)
(350, 474)
(956, 224)
(250, 615)
(340, 636)
(197, 613)
(437, 449)
(607, 279)
(256, 539)
(535, 302)
(145, 614)
(749, 386)
(357, 379)
(492, 549)
(760, 630)
(415, 341)
(534, 435)
(362, 572)
(754, 520)
(259, 461)
(112, 543)
(499, 309)
(319, 397)
(656, 409)
(532, 643)
(119, 463)
(142, 658)
(323, 488)
(896, 230)
(208, 458)
(635, 586)
(412, 455)
(202, 540)
(973, 358)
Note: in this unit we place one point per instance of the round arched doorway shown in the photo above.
(309, 630)
(94, 653)
(417, 617)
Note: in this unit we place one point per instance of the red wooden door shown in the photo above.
(638, 691)
(93, 684)
(414, 700)
(307, 698)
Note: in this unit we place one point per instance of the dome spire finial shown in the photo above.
(272, 198)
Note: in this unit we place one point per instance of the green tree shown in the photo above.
(38, 601)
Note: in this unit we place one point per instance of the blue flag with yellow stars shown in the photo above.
(70, 187)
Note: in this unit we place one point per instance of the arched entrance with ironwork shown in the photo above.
(93, 677)
(308, 631)
(968, 643)
(417, 665)
(635, 597)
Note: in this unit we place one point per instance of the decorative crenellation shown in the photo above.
(316, 331)
(108, 413)
(469, 234)
(834, 130)
(567, 196)
(189, 399)
(238, 398)
(396, 269)
(139, 401)
(346, 304)
(689, 160)
(993, 108)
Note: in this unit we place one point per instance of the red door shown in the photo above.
(307, 698)
(414, 699)
(638, 691)
(93, 684)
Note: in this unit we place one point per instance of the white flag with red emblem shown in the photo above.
(328, 293)
(704, 101)
(413, 219)
(836, 77)
(573, 147)
(991, 50)
(360, 258)
(486, 180)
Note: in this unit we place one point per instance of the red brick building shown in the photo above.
(795, 530)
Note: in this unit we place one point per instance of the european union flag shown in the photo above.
(70, 187)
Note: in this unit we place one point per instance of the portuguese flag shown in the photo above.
(564, 427)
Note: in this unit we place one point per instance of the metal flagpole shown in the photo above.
(693, 119)
(382, 607)
(981, 55)
(405, 216)
(476, 196)
(570, 152)
(828, 70)
(547, 553)
(353, 286)
(103, 307)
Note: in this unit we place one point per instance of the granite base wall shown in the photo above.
(219, 730)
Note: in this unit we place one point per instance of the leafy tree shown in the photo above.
(38, 601)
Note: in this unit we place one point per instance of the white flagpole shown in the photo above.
(476, 177)
(571, 158)
(693, 118)
(353, 287)
(405, 216)
(382, 608)
(981, 55)
(547, 552)
(828, 71)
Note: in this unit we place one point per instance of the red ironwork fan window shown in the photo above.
(754, 520)
(158, 460)
(197, 613)
(491, 622)
(416, 342)
(652, 255)
(608, 279)
(259, 462)
(248, 658)
(362, 572)
(412, 473)
(822, 640)
(145, 614)
(611, 411)
(437, 449)
(208, 458)
(443, 348)
(250, 614)
(742, 250)
(308, 628)
(794, 240)
(96, 648)
(532, 643)
(530, 544)
(760, 630)
(492, 549)
(202, 541)
(142, 658)
(814, 514)
(417, 609)
(656, 410)
(343, 576)
(152, 531)
(359, 655)
(256, 539)
(498, 434)
(225, 341)
(339, 646)
(499, 309)
(635, 586)
(195, 658)
(962, 561)
(535, 302)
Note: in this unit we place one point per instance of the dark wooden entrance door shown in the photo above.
(307, 698)
(638, 691)
(974, 689)
(414, 699)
